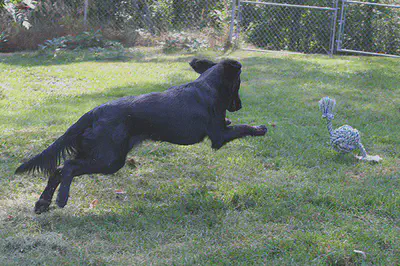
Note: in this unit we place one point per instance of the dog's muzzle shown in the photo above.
(235, 105)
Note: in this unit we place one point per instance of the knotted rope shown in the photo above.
(345, 138)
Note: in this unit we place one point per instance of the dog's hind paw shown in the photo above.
(61, 202)
(260, 130)
(41, 206)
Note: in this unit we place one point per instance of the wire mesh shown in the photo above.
(368, 27)
(132, 22)
(306, 26)
(287, 27)
(150, 22)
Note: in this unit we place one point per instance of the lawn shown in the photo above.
(283, 199)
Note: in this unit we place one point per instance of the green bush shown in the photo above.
(87, 39)
(184, 41)
(3, 39)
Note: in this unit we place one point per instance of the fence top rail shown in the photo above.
(368, 53)
(289, 5)
(371, 4)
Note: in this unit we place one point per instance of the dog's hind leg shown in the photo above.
(42, 205)
(74, 168)
(105, 155)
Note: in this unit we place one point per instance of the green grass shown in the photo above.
(283, 199)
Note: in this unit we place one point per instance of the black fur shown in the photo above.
(101, 139)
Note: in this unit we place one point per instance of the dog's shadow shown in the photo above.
(197, 209)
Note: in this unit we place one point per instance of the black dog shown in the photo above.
(101, 139)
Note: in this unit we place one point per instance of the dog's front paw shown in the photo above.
(260, 130)
(41, 206)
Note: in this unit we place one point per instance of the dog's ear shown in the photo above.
(232, 67)
(201, 65)
(232, 70)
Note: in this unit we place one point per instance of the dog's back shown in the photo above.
(179, 115)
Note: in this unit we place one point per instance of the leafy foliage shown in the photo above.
(184, 41)
(20, 10)
(87, 39)
(3, 38)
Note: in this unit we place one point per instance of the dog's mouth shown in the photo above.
(235, 105)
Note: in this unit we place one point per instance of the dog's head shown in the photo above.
(232, 70)
(231, 78)
(201, 65)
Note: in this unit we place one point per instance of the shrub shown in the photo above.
(3, 39)
(92, 40)
(50, 19)
(20, 10)
(184, 41)
(86, 39)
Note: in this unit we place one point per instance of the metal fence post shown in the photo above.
(341, 26)
(333, 37)
(85, 12)
(232, 20)
(239, 20)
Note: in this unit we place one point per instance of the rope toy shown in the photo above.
(345, 138)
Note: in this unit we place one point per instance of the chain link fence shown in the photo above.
(371, 28)
(299, 26)
(307, 26)
(199, 23)
(175, 23)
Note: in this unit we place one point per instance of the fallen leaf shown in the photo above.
(361, 252)
(328, 248)
(154, 150)
(94, 203)
(119, 191)
(370, 158)
(131, 161)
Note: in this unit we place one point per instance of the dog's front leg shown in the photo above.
(219, 138)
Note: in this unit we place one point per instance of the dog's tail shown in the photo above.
(50, 158)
